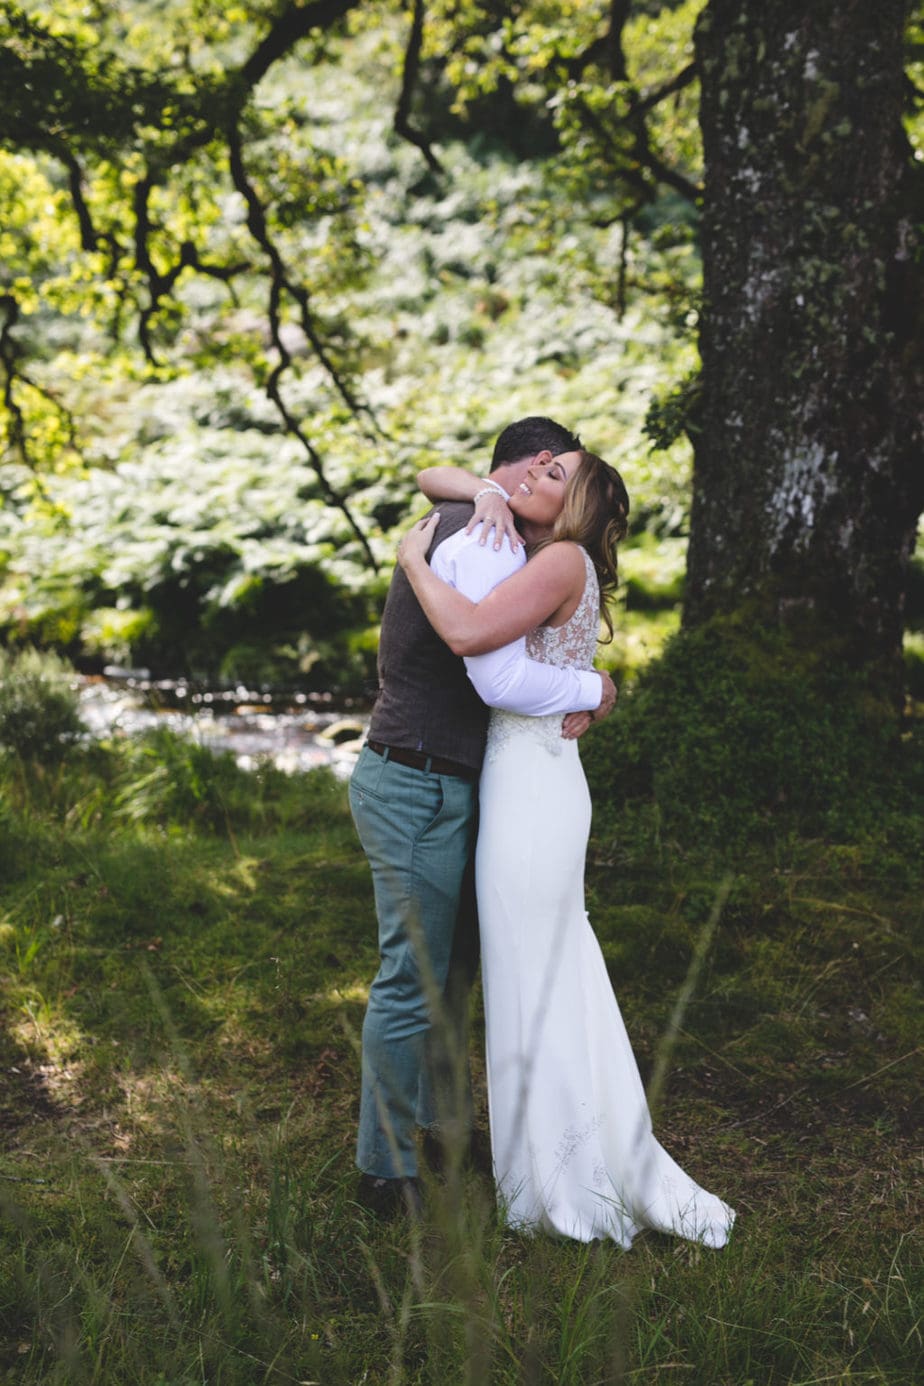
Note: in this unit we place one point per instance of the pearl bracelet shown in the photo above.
(491, 487)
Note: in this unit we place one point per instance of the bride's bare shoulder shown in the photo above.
(564, 555)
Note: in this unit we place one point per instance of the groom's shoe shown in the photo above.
(386, 1198)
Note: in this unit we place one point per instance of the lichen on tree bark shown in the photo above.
(808, 477)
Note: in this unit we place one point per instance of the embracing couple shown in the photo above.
(486, 684)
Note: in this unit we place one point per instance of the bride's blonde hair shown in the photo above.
(596, 516)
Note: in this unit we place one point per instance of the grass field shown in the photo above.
(184, 952)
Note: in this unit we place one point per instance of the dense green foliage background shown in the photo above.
(158, 511)
(221, 377)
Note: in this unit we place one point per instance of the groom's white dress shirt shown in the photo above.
(507, 678)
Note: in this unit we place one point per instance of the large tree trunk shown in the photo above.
(808, 451)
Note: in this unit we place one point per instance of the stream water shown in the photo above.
(296, 731)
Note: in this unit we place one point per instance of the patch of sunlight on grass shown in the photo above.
(44, 1030)
(355, 991)
(147, 1097)
(237, 1035)
(241, 873)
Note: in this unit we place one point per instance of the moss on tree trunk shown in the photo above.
(808, 476)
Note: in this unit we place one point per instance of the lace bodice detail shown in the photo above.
(574, 644)
(569, 646)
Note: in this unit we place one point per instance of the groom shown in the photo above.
(414, 800)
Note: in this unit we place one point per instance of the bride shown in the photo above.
(571, 1135)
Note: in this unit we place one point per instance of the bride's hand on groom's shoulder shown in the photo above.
(496, 518)
(415, 543)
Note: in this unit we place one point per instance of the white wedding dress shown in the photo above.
(573, 1148)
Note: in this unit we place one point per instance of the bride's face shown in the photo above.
(540, 496)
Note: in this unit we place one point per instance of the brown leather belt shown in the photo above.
(419, 760)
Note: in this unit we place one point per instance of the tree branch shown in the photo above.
(161, 282)
(607, 50)
(89, 236)
(256, 225)
(10, 355)
(144, 262)
(293, 23)
(409, 75)
(656, 166)
(686, 75)
(626, 172)
(615, 53)
(280, 284)
(643, 157)
(609, 53)
(130, 99)
(622, 279)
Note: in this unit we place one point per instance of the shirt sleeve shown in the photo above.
(472, 569)
(507, 678)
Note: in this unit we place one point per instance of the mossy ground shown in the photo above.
(185, 957)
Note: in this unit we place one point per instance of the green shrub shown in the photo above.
(737, 734)
(38, 705)
(169, 778)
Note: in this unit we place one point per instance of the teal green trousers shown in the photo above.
(417, 830)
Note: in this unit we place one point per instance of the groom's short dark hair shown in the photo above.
(526, 437)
